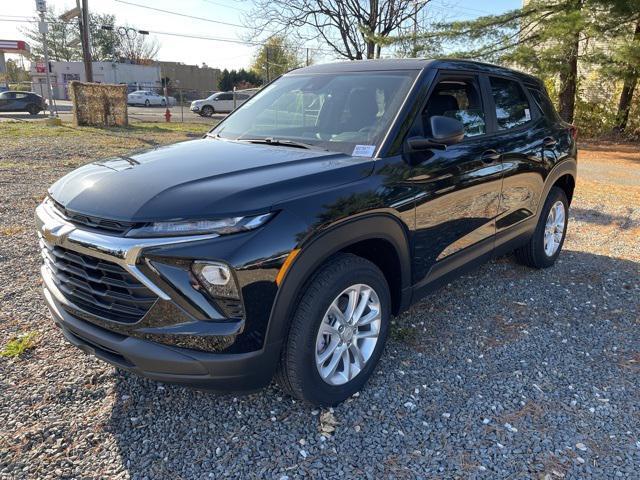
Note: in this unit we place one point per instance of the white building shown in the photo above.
(103, 72)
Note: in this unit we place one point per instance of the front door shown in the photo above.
(457, 188)
(7, 100)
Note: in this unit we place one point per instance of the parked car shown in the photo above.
(149, 98)
(282, 242)
(220, 102)
(15, 101)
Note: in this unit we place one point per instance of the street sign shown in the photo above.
(41, 6)
(41, 67)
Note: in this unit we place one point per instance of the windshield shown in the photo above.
(345, 112)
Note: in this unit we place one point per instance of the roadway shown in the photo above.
(140, 114)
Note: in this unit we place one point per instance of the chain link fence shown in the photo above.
(146, 103)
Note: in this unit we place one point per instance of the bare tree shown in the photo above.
(137, 48)
(354, 29)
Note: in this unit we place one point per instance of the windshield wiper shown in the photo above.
(274, 141)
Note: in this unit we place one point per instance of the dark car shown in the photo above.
(282, 242)
(11, 101)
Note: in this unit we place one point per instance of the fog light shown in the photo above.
(215, 274)
(217, 279)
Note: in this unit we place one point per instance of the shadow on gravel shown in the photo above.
(624, 222)
(505, 370)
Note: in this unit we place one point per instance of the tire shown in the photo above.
(299, 370)
(537, 253)
(207, 111)
(147, 103)
(33, 109)
(163, 102)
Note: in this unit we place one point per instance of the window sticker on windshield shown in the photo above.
(527, 114)
(363, 151)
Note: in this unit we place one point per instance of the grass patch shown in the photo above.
(20, 344)
(29, 130)
(11, 230)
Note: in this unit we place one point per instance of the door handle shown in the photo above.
(490, 156)
(549, 142)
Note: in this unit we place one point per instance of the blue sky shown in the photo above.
(214, 53)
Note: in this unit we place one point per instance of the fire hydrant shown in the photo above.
(167, 115)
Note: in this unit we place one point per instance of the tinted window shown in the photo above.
(459, 99)
(544, 103)
(512, 106)
(21, 95)
(225, 96)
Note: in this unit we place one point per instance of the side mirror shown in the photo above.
(446, 130)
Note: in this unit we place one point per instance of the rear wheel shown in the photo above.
(33, 109)
(207, 111)
(545, 245)
(338, 332)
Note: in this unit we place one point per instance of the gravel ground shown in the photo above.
(505, 373)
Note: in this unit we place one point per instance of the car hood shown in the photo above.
(202, 178)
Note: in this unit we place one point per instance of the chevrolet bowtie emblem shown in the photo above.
(55, 234)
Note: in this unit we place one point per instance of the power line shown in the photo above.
(193, 17)
(225, 6)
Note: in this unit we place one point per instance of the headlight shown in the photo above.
(200, 227)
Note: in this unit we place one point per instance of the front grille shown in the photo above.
(110, 226)
(97, 286)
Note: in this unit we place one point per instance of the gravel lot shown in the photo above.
(505, 373)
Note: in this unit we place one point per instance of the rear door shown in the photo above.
(524, 135)
(457, 188)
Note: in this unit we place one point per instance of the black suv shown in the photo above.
(283, 241)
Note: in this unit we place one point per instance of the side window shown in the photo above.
(544, 103)
(225, 96)
(512, 106)
(21, 95)
(459, 99)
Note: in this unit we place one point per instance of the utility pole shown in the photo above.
(41, 6)
(86, 45)
(307, 63)
(267, 52)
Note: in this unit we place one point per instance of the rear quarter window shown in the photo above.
(544, 103)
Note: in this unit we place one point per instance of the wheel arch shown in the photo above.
(562, 175)
(373, 237)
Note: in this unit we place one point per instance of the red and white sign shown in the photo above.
(13, 46)
(41, 67)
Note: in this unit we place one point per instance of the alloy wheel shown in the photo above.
(348, 334)
(554, 229)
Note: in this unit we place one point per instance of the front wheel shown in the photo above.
(207, 111)
(338, 332)
(147, 103)
(543, 248)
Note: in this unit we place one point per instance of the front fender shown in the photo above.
(315, 251)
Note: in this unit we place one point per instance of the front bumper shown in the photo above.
(215, 371)
(184, 337)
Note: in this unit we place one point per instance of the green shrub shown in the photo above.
(18, 345)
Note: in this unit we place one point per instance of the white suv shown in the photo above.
(219, 102)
